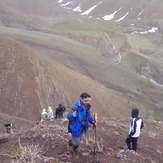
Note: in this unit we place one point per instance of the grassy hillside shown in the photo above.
(38, 81)
(88, 53)
(105, 51)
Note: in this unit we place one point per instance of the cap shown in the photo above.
(87, 99)
(43, 110)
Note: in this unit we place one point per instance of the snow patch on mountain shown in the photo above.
(60, 1)
(122, 17)
(90, 10)
(139, 15)
(153, 30)
(111, 16)
(78, 8)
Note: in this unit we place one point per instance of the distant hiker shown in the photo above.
(134, 130)
(59, 111)
(78, 117)
(44, 115)
(50, 113)
(8, 127)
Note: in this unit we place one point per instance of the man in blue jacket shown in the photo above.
(79, 117)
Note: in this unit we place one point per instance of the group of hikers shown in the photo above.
(79, 117)
(49, 114)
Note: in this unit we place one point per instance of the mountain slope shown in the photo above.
(71, 50)
(30, 82)
(113, 53)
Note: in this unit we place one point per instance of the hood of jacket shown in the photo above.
(135, 112)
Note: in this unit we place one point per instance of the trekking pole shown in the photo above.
(95, 134)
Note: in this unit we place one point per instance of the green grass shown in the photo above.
(66, 44)
(83, 25)
(152, 134)
(47, 39)
(142, 42)
(149, 110)
(139, 41)
(116, 133)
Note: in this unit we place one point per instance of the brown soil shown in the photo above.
(52, 140)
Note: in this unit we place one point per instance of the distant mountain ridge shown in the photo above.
(130, 10)
(138, 12)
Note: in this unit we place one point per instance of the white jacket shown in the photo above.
(50, 114)
(135, 126)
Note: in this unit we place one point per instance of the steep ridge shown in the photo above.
(30, 82)
(104, 63)
(101, 63)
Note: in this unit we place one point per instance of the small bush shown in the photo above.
(152, 134)
(116, 133)
(28, 153)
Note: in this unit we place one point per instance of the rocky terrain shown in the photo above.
(47, 142)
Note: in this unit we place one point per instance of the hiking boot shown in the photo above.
(71, 148)
(76, 149)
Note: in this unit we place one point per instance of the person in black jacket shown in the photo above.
(59, 111)
(134, 130)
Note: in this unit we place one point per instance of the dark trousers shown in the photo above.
(56, 115)
(132, 143)
(60, 114)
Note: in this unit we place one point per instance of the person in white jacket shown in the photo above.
(50, 113)
(134, 130)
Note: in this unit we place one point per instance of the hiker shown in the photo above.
(79, 116)
(59, 111)
(134, 130)
(50, 113)
(44, 115)
(8, 127)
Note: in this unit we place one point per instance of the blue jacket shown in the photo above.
(76, 125)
